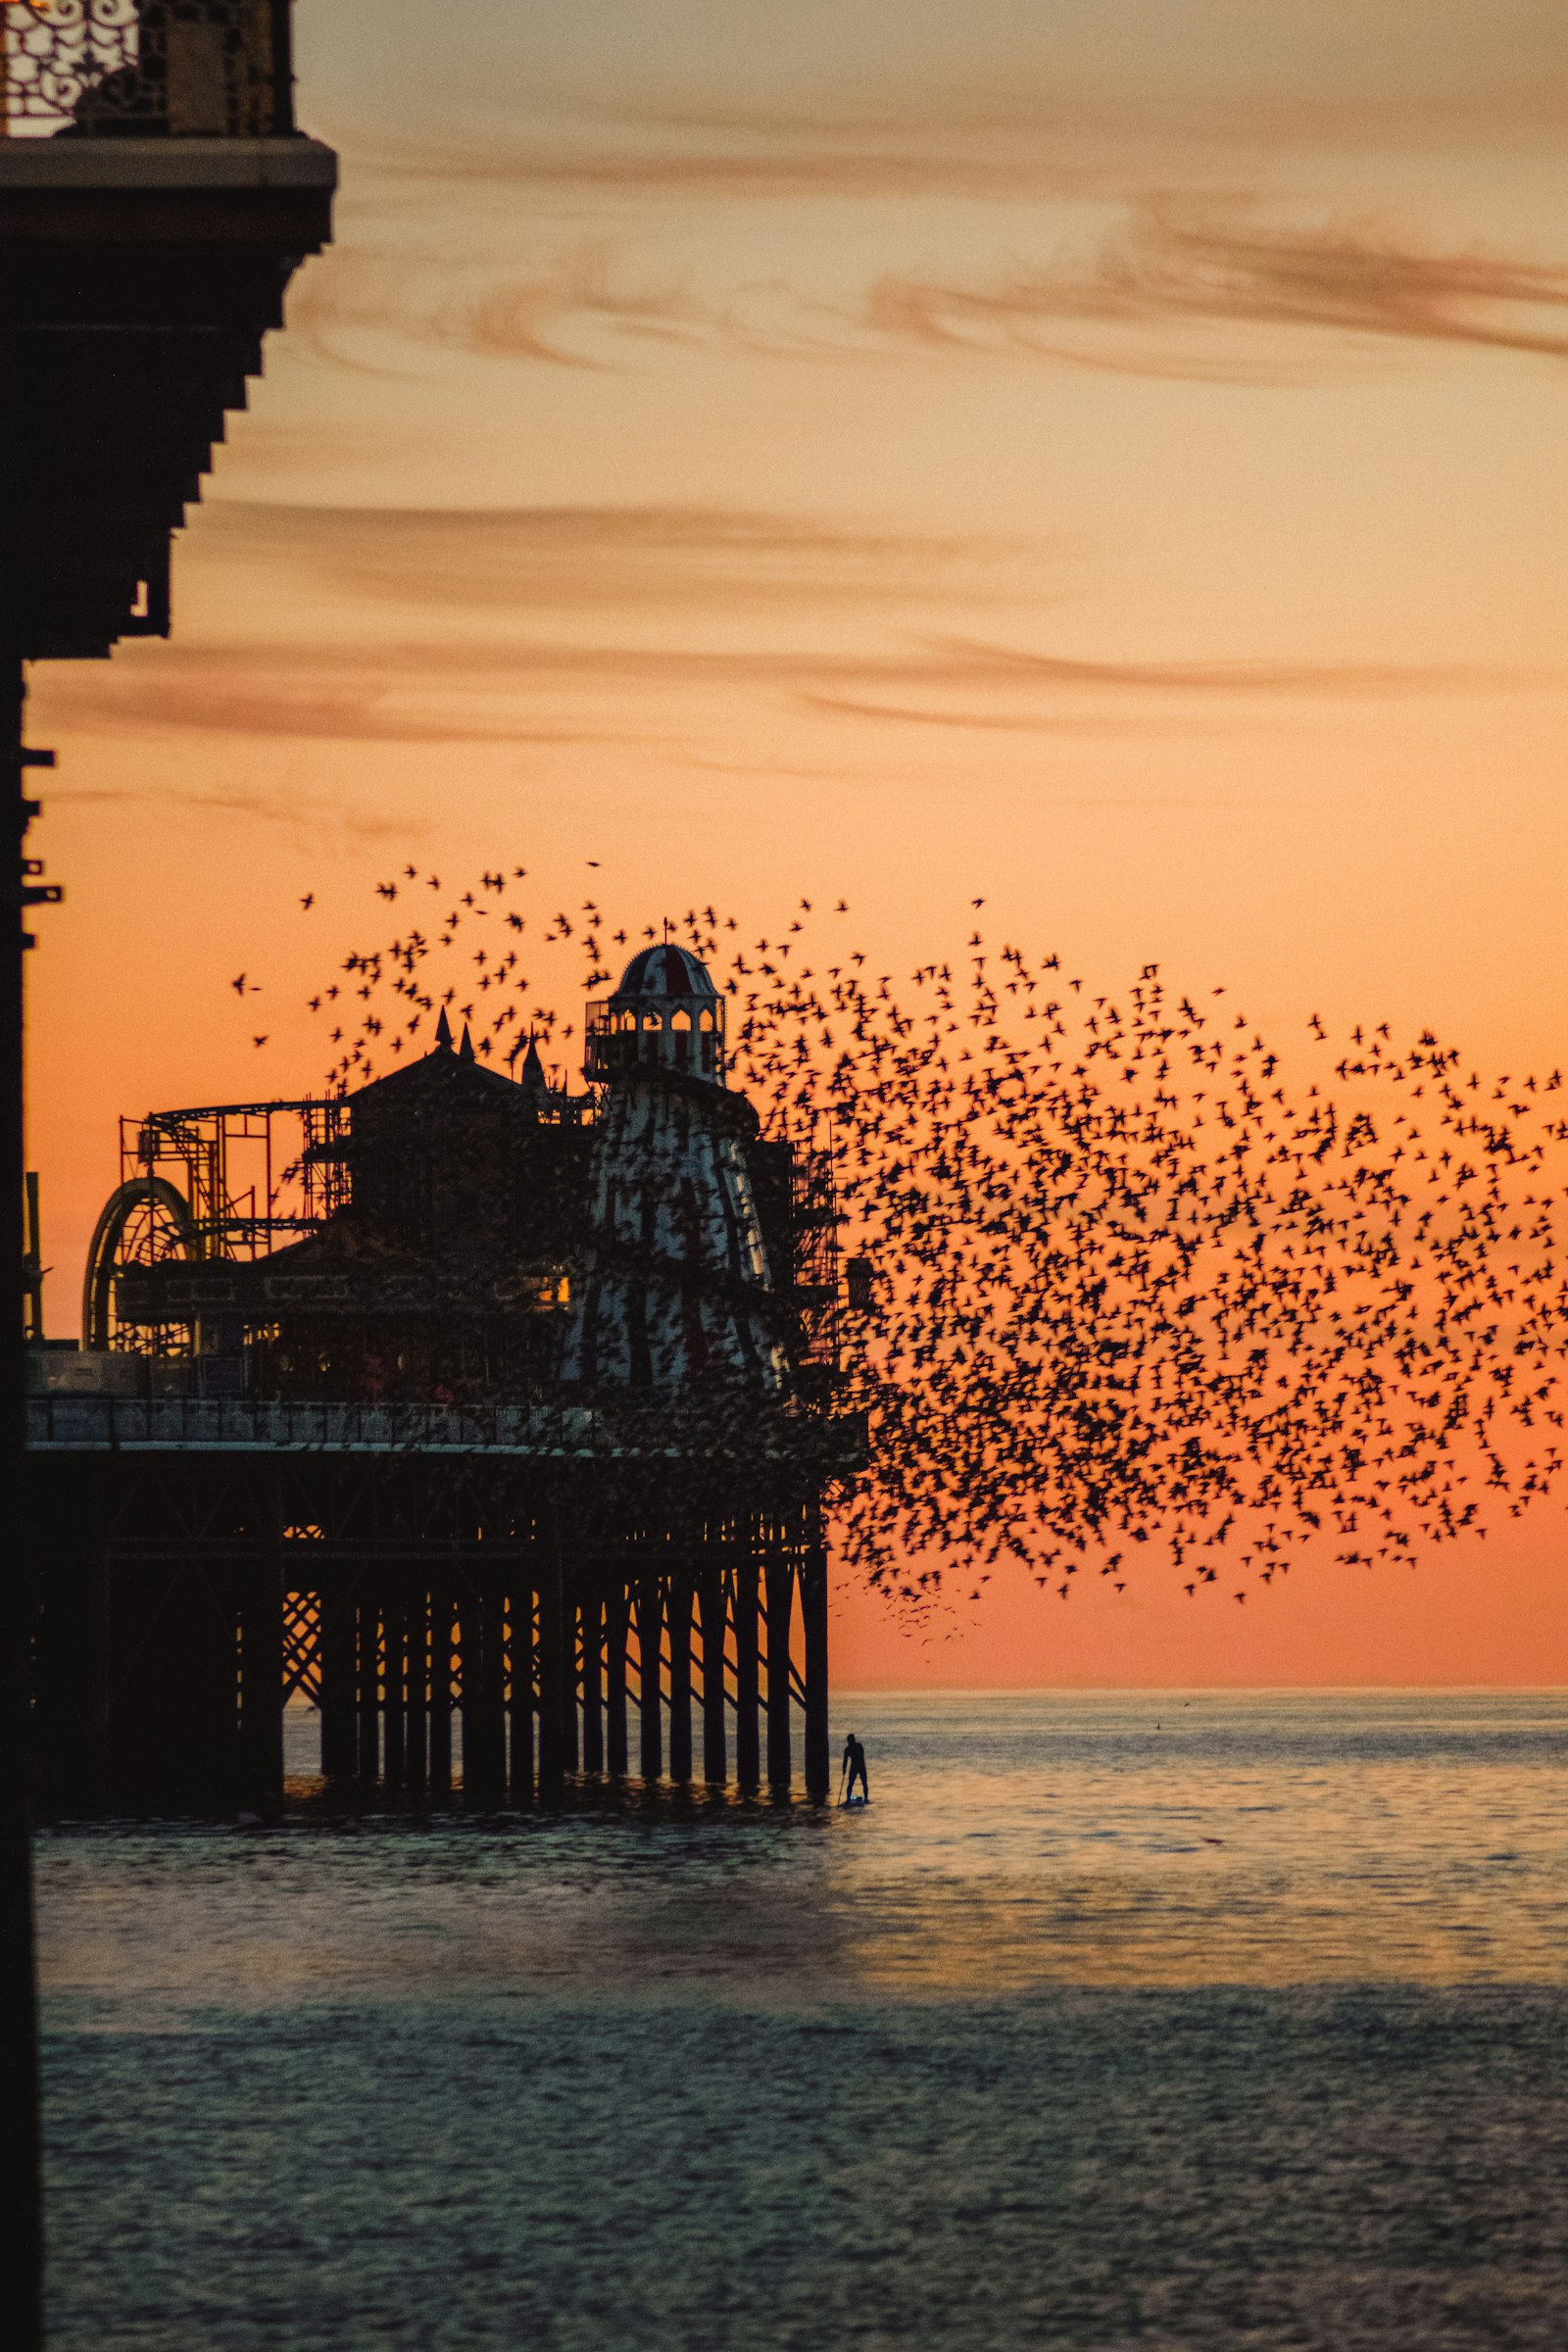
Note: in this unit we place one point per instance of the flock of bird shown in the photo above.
(1132, 1283)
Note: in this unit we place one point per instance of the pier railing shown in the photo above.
(64, 1423)
(146, 69)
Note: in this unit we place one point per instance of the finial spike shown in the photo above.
(533, 1077)
(443, 1031)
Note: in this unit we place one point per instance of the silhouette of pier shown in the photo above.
(489, 1616)
(498, 1425)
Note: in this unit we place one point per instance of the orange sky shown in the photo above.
(1109, 461)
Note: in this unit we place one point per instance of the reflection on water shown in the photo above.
(1202, 2021)
(1099, 1838)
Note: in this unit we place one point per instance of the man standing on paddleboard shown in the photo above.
(855, 1765)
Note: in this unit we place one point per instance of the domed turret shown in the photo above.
(665, 971)
(675, 1293)
(666, 1013)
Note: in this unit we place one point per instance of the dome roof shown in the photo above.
(662, 972)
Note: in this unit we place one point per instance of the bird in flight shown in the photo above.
(1137, 1276)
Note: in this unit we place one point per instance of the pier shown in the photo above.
(484, 1603)
(498, 1425)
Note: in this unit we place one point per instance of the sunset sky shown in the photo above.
(1104, 459)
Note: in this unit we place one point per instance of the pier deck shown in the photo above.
(484, 1602)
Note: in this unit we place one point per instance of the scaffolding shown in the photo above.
(254, 1174)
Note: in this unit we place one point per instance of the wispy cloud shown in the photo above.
(1068, 129)
(581, 290)
(588, 305)
(1213, 288)
(990, 154)
(303, 692)
(584, 557)
(345, 819)
(1172, 266)
(988, 722)
(557, 694)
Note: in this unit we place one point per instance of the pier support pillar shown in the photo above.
(780, 1582)
(813, 1626)
(551, 1686)
(616, 1752)
(416, 1690)
(395, 1684)
(591, 1617)
(200, 1631)
(650, 1729)
(748, 1730)
(337, 1682)
(368, 1760)
(711, 1616)
(571, 1678)
(440, 1693)
(523, 1650)
(484, 1737)
(261, 1681)
(680, 1679)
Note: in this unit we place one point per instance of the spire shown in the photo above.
(443, 1031)
(533, 1078)
(465, 1050)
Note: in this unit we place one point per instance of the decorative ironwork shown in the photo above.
(302, 1647)
(184, 69)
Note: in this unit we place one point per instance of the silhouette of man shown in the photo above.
(855, 1761)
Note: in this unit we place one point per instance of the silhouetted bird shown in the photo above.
(1131, 1278)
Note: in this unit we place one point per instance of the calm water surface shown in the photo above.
(1199, 2021)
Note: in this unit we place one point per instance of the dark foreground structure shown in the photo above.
(505, 1443)
(155, 200)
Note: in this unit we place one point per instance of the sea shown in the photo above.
(1185, 2020)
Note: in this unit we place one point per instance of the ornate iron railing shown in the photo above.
(701, 1431)
(146, 69)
